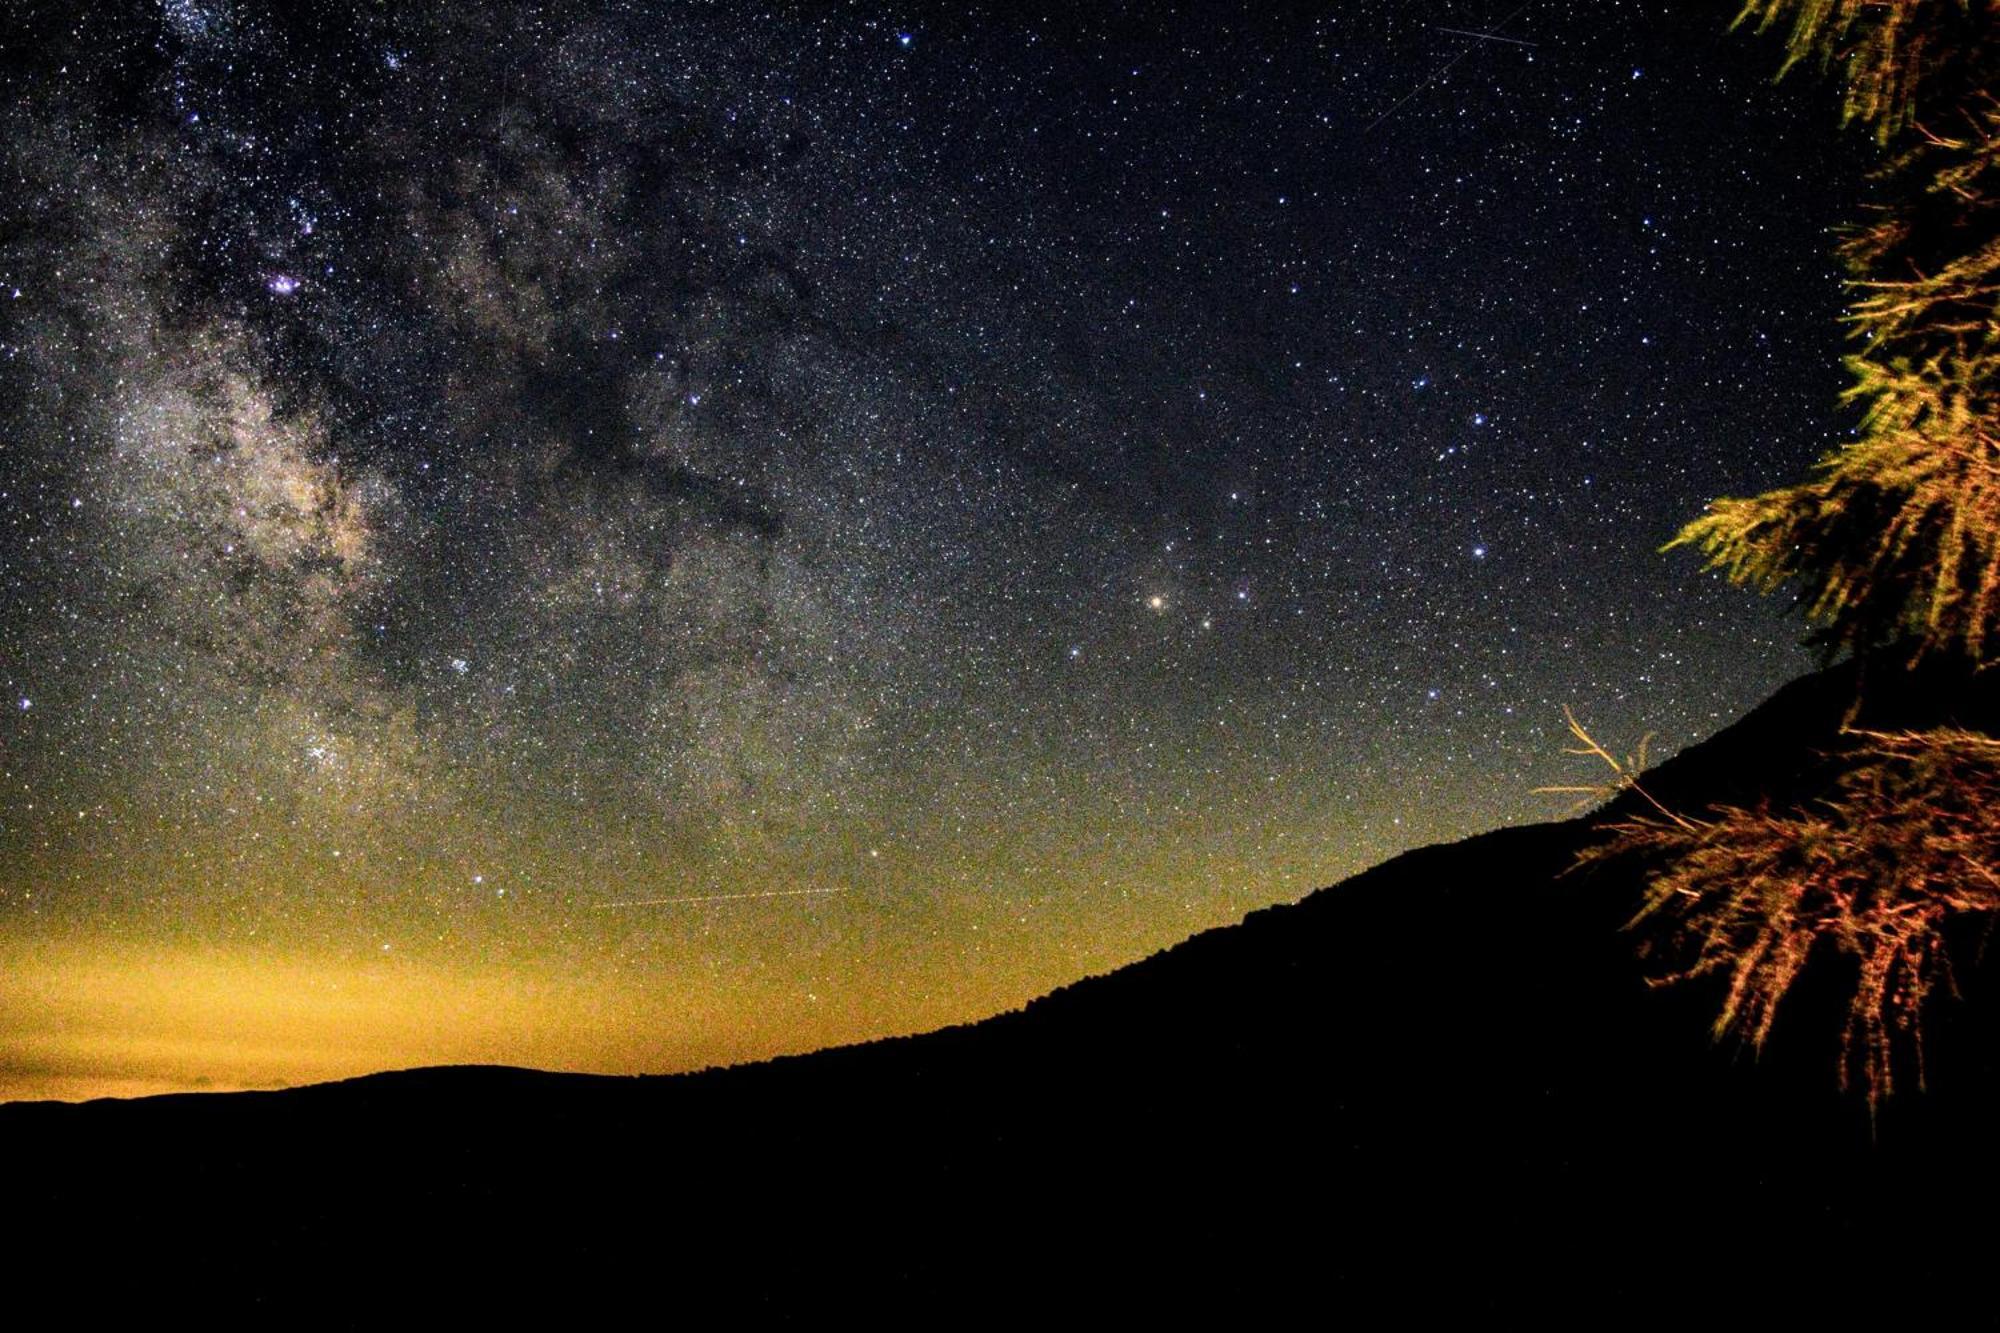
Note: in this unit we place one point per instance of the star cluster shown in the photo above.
(957, 500)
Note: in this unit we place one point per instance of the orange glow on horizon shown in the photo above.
(112, 1021)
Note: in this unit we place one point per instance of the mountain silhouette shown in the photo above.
(1441, 1087)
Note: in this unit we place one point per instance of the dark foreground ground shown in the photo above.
(1441, 1087)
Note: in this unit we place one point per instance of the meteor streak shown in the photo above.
(719, 898)
(1490, 35)
(1482, 36)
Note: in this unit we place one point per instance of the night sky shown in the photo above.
(958, 498)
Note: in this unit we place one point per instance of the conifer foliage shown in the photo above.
(1894, 547)
(1896, 539)
(1904, 850)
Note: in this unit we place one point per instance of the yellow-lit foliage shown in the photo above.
(1904, 849)
(1882, 47)
(1896, 539)
(1893, 543)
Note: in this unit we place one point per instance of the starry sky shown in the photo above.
(631, 536)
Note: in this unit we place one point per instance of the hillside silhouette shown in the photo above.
(1442, 1086)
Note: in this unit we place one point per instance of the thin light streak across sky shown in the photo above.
(720, 898)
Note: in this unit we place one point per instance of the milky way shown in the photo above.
(931, 504)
